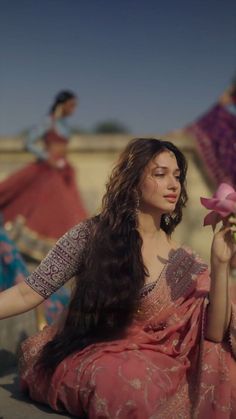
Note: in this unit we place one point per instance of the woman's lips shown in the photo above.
(171, 198)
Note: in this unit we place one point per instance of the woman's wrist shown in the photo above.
(219, 264)
(218, 267)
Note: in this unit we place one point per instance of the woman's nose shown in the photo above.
(173, 183)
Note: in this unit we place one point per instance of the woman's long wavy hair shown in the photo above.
(107, 291)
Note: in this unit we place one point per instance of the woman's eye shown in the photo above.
(177, 177)
(159, 174)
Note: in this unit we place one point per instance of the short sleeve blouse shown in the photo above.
(63, 262)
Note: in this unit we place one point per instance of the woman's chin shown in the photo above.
(168, 208)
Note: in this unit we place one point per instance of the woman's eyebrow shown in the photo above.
(165, 167)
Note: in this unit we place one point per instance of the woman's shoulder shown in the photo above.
(192, 252)
(196, 261)
(185, 256)
(75, 241)
(187, 270)
(82, 230)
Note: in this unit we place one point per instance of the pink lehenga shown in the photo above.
(162, 369)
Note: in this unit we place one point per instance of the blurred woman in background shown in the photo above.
(41, 201)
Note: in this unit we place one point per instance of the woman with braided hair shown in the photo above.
(149, 333)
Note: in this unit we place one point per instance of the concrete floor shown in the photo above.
(13, 405)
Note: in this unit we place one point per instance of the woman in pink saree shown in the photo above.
(149, 332)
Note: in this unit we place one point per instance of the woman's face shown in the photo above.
(69, 107)
(160, 185)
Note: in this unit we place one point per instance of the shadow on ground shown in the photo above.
(13, 404)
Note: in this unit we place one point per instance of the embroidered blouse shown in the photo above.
(59, 125)
(63, 262)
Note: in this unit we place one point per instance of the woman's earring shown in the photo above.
(167, 219)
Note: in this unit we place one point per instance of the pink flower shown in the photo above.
(222, 204)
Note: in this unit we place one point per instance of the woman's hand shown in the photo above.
(57, 163)
(219, 308)
(57, 155)
(223, 244)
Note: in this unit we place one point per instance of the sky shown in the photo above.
(152, 65)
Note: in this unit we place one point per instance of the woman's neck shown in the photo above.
(149, 225)
(149, 228)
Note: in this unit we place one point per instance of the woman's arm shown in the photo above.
(18, 299)
(62, 263)
(219, 308)
(34, 135)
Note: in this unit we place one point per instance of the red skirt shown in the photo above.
(46, 198)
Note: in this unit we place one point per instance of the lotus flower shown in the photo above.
(222, 204)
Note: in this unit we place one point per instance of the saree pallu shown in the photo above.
(215, 135)
(39, 204)
(163, 368)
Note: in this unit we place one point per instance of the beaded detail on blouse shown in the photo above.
(178, 275)
(147, 288)
(62, 262)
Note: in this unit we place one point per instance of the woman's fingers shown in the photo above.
(228, 221)
(228, 228)
(232, 219)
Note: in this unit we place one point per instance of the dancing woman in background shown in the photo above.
(149, 332)
(41, 201)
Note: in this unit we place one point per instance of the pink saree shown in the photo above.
(162, 369)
